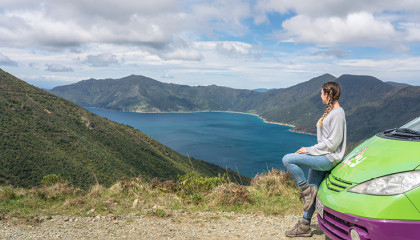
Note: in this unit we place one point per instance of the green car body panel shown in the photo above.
(376, 157)
(374, 193)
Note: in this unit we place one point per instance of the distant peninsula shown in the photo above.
(371, 105)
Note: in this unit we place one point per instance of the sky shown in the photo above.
(245, 44)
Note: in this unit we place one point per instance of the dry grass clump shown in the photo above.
(97, 191)
(8, 193)
(169, 186)
(134, 194)
(74, 202)
(229, 194)
(58, 190)
(275, 192)
(275, 182)
(129, 187)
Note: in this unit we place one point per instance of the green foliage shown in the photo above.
(192, 184)
(196, 198)
(158, 212)
(51, 179)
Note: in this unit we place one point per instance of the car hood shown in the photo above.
(377, 157)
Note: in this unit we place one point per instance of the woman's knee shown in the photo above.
(287, 158)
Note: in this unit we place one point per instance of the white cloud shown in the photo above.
(218, 17)
(58, 68)
(333, 52)
(101, 60)
(357, 28)
(234, 49)
(333, 8)
(182, 54)
(206, 42)
(377, 23)
(167, 75)
(178, 49)
(412, 31)
(160, 27)
(56, 24)
(387, 65)
(6, 61)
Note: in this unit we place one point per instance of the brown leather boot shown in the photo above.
(299, 230)
(309, 195)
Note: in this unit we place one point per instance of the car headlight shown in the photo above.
(389, 185)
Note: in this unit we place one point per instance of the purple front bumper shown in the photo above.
(337, 225)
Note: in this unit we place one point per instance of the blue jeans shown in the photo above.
(318, 167)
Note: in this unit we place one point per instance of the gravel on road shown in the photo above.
(177, 225)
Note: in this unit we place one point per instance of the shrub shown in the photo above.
(192, 183)
(158, 213)
(196, 198)
(51, 179)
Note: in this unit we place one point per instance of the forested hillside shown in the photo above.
(44, 134)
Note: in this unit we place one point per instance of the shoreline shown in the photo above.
(253, 114)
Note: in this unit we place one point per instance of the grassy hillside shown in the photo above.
(370, 104)
(44, 134)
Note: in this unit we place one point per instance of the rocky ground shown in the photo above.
(176, 225)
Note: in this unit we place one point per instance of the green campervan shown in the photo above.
(375, 192)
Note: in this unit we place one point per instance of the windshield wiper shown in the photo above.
(402, 132)
(389, 130)
(407, 130)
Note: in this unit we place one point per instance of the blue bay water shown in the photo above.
(241, 142)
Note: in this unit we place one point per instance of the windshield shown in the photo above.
(413, 125)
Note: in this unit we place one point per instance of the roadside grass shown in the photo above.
(269, 193)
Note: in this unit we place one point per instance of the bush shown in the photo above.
(196, 198)
(158, 213)
(52, 179)
(192, 183)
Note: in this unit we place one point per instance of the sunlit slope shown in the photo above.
(44, 134)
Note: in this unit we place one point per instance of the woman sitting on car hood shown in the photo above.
(320, 158)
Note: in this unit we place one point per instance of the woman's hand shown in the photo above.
(301, 150)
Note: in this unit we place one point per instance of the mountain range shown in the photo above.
(44, 134)
(371, 105)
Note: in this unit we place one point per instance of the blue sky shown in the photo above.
(236, 43)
